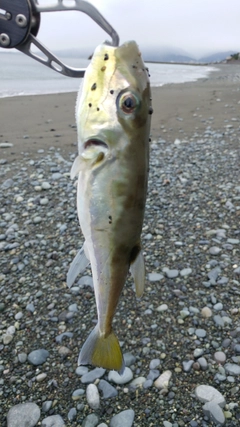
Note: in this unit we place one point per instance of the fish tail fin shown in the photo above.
(99, 350)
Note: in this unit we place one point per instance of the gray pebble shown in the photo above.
(22, 357)
(129, 359)
(214, 412)
(203, 363)
(201, 333)
(232, 368)
(81, 370)
(107, 389)
(120, 379)
(124, 418)
(24, 414)
(37, 219)
(77, 394)
(93, 375)
(155, 277)
(214, 273)
(45, 185)
(220, 377)
(207, 393)
(72, 414)
(56, 176)
(220, 357)
(187, 365)
(53, 421)
(167, 424)
(30, 307)
(18, 316)
(60, 337)
(162, 307)
(38, 357)
(237, 348)
(8, 183)
(214, 250)
(147, 384)
(73, 307)
(218, 320)
(154, 363)
(46, 406)
(153, 374)
(185, 272)
(90, 421)
(218, 306)
(172, 274)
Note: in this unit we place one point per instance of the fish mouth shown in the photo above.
(94, 142)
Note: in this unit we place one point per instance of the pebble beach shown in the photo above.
(181, 340)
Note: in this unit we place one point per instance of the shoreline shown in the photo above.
(71, 90)
(33, 122)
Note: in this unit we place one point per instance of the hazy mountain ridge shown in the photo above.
(161, 54)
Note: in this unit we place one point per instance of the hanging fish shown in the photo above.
(113, 122)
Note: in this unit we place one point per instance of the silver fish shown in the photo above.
(113, 121)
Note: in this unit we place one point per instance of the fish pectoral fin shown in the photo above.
(102, 351)
(76, 167)
(137, 269)
(78, 265)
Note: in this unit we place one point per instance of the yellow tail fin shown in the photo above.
(102, 351)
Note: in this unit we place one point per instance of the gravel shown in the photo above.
(183, 334)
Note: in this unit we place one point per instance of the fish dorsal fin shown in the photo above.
(78, 265)
(137, 269)
(76, 166)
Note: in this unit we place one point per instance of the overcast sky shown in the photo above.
(197, 26)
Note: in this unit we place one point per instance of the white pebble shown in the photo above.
(93, 398)
(163, 380)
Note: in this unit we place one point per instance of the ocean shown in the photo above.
(21, 75)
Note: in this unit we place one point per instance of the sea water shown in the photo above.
(21, 75)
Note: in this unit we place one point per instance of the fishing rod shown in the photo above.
(20, 22)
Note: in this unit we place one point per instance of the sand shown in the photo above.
(31, 123)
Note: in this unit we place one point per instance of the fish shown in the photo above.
(113, 115)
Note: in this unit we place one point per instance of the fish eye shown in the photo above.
(128, 102)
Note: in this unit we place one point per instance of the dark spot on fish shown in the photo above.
(134, 253)
(134, 66)
(149, 139)
(98, 109)
(106, 57)
(110, 219)
(90, 105)
(112, 92)
(150, 111)
(99, 158)
(94, 86)
(150, 99)
(103, 68)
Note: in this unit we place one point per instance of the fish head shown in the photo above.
(114, 102)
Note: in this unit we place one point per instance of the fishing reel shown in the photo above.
(19, 25)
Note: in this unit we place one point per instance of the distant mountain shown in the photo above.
(155, 54)
(217, 57)
(166, 54)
